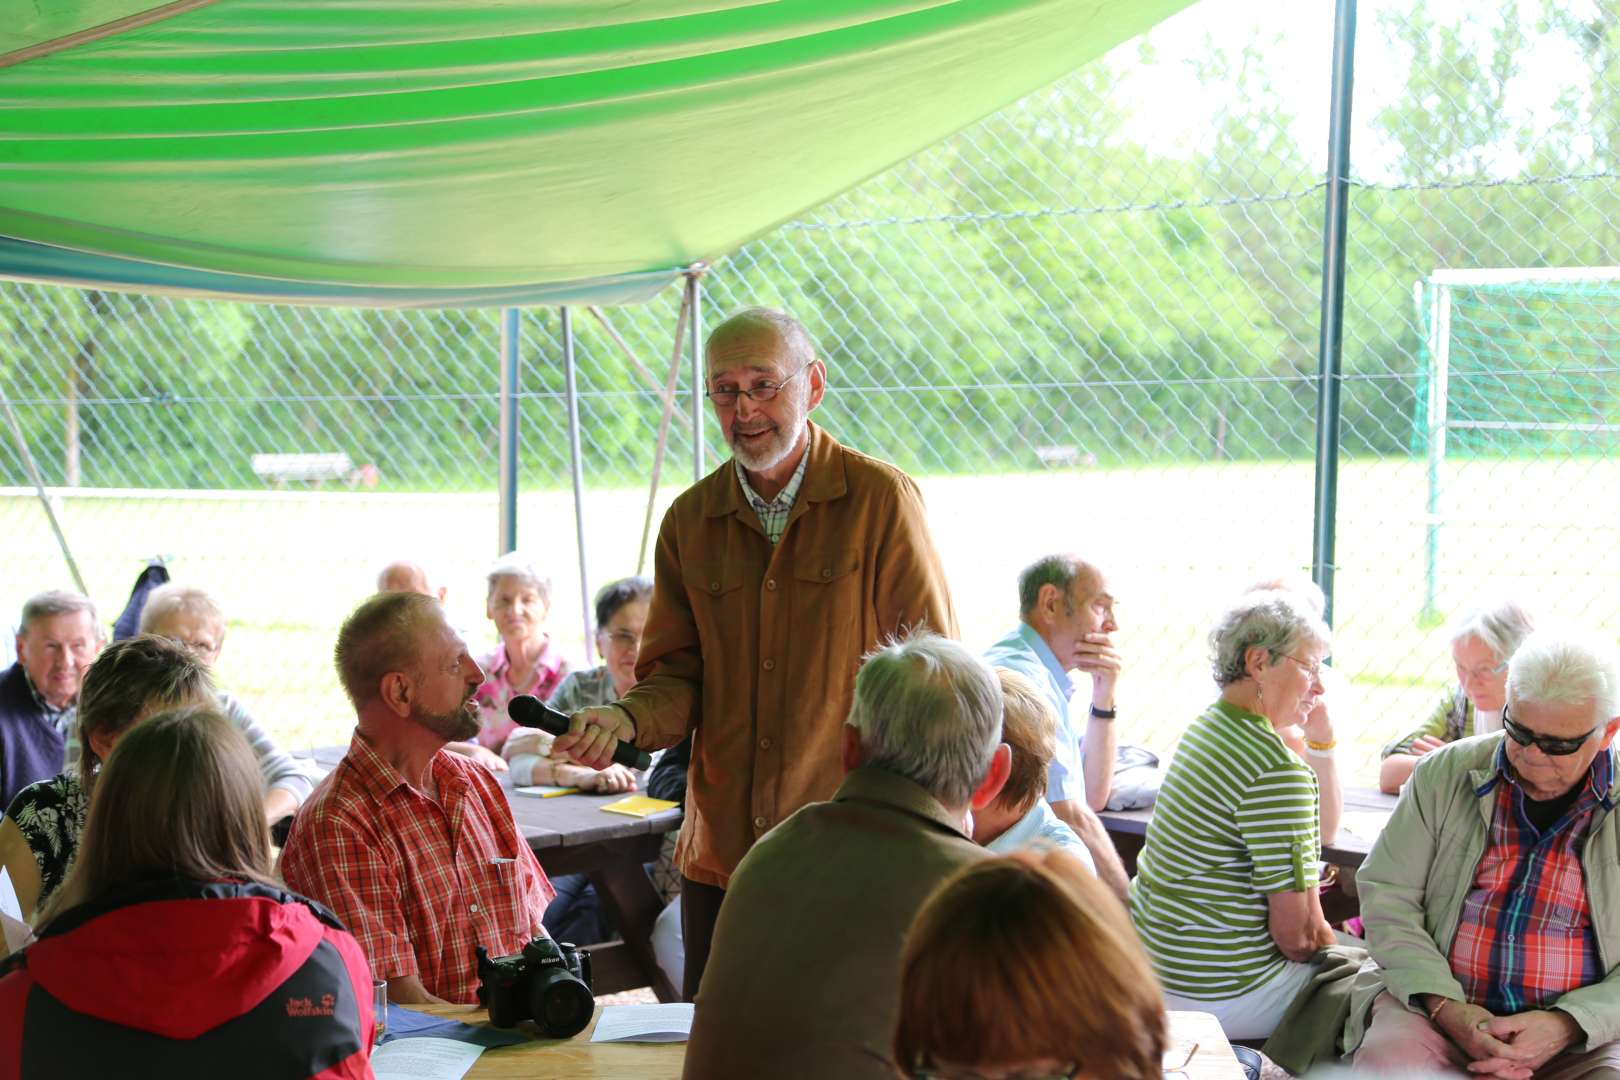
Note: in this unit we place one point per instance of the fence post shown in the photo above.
(1332, 339)
(694, 285)
(510, 352)
(577, 465)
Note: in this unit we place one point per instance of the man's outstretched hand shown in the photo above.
(593, 734)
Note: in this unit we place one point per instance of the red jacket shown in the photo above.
(181, 979)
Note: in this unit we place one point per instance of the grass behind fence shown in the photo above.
(1176, 542)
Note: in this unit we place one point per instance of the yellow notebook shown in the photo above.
(639, 806)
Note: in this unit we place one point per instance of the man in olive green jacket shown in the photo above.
(1492, 897)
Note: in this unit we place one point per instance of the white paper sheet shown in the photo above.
(424, 1059)
(644, 1023)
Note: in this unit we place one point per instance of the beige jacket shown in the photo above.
(755, 647)
(1419, 873)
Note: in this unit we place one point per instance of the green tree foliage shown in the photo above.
(1053, 281)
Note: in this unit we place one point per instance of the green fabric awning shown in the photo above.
(466, 152)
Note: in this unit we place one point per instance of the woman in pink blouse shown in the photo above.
(526, 661)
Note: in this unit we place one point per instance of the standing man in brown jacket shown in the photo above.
(774, 575)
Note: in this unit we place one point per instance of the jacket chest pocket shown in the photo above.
(711, 585)
(827, 592)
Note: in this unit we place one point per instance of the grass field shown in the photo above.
(1176, 541)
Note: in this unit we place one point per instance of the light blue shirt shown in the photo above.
(1041, 826)
(1024, 651)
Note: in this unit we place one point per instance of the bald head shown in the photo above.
(407, 577)
(759, 337)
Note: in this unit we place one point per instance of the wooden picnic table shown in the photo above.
(578, 1057)
(1366, 810)
(571, 834)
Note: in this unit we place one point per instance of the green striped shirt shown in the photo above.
(1236, 819)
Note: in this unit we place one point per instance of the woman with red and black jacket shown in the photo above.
(169, 951)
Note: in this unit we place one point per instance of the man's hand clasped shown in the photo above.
(1511, 1047)
(592, 735)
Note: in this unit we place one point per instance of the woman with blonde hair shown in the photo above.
(1027, 966)
(169, 950)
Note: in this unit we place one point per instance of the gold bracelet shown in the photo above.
(1434, 1012)
(1312, 744)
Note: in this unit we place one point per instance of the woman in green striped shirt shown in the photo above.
(1225, 896)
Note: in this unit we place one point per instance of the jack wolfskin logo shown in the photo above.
(306, 1007)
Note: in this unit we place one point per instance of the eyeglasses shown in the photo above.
(765, 391)
(1482, 671)
(1314, 669)
(622, 639)
(1548, 745)
(1179, 1069)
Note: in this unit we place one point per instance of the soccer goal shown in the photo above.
(1515, 362)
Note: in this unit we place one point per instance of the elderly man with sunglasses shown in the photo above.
(773, 576)
(1492, 898)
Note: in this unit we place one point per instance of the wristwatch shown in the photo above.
(1103, 714)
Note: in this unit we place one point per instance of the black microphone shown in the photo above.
(530, 711)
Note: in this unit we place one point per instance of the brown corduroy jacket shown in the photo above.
(754, 648)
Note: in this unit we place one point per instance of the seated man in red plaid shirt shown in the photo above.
(412, 846)
(1492, 898)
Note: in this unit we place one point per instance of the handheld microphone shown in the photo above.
(530, 711)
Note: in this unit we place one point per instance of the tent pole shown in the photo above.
(39, 489)
(577, 462)
(507, 525)
(1330, 353)
(662, 444)
(694, 299)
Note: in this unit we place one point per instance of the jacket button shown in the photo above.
(826, 571)
(759, 823)
(714, 586)
(770, 583)
(765, 743)
(770, 665)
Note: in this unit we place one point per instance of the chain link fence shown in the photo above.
(1087, 322)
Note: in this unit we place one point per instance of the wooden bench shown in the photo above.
(284, 469)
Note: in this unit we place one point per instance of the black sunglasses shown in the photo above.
(1545, 743)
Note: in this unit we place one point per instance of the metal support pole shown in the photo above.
(510, 352)
(32, 466)
(1334, 228)
(694, 300)
(577, 461)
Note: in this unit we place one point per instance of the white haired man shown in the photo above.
(773, 576)
(804, 974)
(1492, 897)
(57, 639)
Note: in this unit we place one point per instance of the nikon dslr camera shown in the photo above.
(548, 982)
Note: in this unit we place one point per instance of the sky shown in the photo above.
(1171, 112)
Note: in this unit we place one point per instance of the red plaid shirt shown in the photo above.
(1525, 935)
(494, 725)
(419, 882)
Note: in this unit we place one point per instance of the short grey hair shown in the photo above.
(516, 565)
(56, 602)
(1059, 570)
(168, 600)
(1502, 626)
(929, 710)
(1556, 669)
(794, 337)
(1276, 621)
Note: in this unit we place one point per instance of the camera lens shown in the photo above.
(565, 1006)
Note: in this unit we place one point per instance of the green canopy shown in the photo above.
(470, 152)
